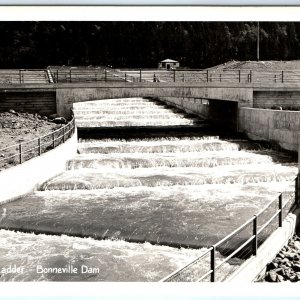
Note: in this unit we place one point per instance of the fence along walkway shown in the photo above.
(207, 76)
(257, 228)
(26, 150)
(20, 76)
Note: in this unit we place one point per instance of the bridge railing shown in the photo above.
(242, 242)
(207, 76)
(21, 76)
(21, 152)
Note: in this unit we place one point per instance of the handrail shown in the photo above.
(204, 76)
(253, 238)
(51, 140)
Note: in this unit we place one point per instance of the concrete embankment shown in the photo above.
(24, 178)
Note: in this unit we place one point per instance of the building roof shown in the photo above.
(169, 61)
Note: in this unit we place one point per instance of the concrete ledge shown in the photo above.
(24, 178)
(253, 267)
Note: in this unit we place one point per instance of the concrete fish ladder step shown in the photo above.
(115, 100)
(86, 179)
(131, 122)
(188, 216)
(131, 112)
(122, 105)
(116, 260)
(120, 116)
(158, 146)
(142, 132)
(152, 160)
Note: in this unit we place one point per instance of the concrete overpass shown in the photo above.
(235, 105)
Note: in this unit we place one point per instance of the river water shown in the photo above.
(138, 209)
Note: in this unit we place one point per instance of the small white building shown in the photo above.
(168, 64)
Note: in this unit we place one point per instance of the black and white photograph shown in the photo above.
(149, 151)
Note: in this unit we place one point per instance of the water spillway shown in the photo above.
(142, 207)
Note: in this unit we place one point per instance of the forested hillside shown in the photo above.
(143, 44)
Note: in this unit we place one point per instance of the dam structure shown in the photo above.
(150, 190)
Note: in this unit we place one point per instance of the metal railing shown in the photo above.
(256, 231)
(202, 76)
(21, 76)
(19, 153)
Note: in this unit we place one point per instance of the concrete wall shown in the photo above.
(253, 267)
(67, 94)
(190, 105)
(24, 178)
(268, 99)
(277, 126)
(40, 101)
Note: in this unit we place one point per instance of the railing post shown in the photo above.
(239, 76)
(174, 75)
(213, 264)
(39, 143)
(220, 77)
(250, 76)
(254, 243)
(297, 190)
(57, 76)
(70, 75)
(207, 76)
(53, 140)
(20, 153)
(63, 130)
(20, 76)
(140, 75)
(125, 77)
(105, 75)
(282, 77)
(275, 78)
(183, 77)
(280, 210)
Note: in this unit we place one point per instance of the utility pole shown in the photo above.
(257, 41)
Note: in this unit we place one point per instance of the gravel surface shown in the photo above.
(16, 128)
(286, 265)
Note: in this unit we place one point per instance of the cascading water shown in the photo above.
(138, 209)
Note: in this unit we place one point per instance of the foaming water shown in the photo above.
(158, 146)
(130, 122)
(135, 208)
(87, 179)
(174, 216)
(110, 260)
(147, 160)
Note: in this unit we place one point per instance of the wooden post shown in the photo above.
(280, 216)
(213, 264)
(282, 77)
(254, 243)
(105, 75)
(239, 76)
(57, 76)
(63, 130)
(206, 75)
(20, 153)
(20, 76)
(39, 143)
(125, 77)
(140, 75)
(70, 75)
(53, 140)
(174, 76)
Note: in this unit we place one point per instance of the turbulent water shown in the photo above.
(138, 209)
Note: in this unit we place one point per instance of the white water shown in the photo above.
(174, 191)
(116, 260)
